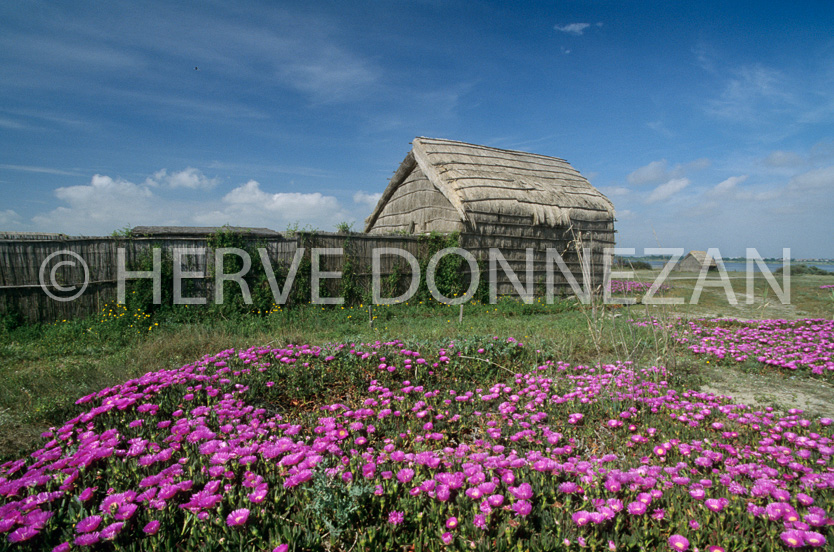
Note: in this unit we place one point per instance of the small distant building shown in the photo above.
(695, 261)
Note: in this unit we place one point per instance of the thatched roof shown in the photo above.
(484, 179)
(701, 257)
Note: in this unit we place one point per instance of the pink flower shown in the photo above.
(522, 492)
(581, 517)
(23, 533)
(88, 524)
(793, 538)
(636, 508)
(405, 475)
(678, 542)
(110, 532)
(151, 528)
(87, 539)
(452, 523)
(522, 508)
(812, 538)
(237, 517)
(479, 521)
(446, 538)
(395, 517)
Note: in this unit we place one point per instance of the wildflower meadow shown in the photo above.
(457, 446)
(447, 438)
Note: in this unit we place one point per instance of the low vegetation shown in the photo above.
(513, 426)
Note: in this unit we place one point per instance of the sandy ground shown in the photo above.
(814, 397)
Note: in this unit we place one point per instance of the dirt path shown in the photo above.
(778, 390)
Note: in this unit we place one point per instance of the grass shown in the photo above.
(46, 367)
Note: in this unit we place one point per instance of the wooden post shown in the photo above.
(460, 316)
(371, 315)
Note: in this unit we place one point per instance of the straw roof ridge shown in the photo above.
(509, 182)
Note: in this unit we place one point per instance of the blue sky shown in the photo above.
(707, 124)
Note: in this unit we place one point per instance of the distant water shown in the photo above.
(735, 266)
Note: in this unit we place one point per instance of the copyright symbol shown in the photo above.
(53, 279)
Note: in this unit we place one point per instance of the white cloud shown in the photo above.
(652, 173)
(573, 28)
(108, 204)
(658, 171)
(249, 205)
(100, 207)
(728, 186)
(190, 178)
(817, 179)
(364, 198)
(667, 190)
(9, 220)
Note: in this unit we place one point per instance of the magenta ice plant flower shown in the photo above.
(479, 521)
(793, 538)
(88, 524)
(87, 539)
(678, 542)
(522, 508)
(151, 527)
(395, 517)
(237, 517)
(581, 517)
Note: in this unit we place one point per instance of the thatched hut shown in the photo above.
(695, 261)
(499, 198)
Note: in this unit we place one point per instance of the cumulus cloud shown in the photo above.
(9, 220)
(366, 199)
(659, 171)
(107, 204)
(667, 190)
(189, 178)
(100, 207)
(249, 205)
